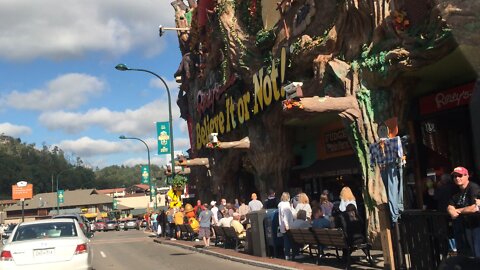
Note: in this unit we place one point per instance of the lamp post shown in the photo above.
(122, 137)
(58, 175)
(123, 67)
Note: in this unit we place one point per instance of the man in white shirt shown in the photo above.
(255, 204)
(215, 213)
(225, 222)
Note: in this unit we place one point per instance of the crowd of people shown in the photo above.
(293, 212)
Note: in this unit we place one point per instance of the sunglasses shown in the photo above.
(458, 175)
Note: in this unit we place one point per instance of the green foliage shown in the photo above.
(300, 46)
(251, 20)
(375, 62)
(265, 39)
(179, 181)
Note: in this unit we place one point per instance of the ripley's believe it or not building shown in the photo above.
(299, 91)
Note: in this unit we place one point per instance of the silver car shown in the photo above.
(131, 224)
(45, 245)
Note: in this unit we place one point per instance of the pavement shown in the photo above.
(305, 262)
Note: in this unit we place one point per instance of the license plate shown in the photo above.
(43, 252)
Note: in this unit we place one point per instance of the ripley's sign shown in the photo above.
(268, 90)
(448, 99)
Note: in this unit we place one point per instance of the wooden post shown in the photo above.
(386, 237)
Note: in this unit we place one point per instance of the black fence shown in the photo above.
(424, 239)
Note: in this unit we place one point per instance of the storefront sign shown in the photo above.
(333, 142)
(336, 141)
(455, 97)
(268, 91)
(206, 99)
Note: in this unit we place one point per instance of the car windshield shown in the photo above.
(111, 222)
(45, 230)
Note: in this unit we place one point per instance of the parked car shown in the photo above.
(121, 224)
(111, 225)
(82, 221)
(100, 225)
(143, 223)
(8, 231)
(47, 244)
(131, 224)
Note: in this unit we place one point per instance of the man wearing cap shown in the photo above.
(214, 209)
(460, 205)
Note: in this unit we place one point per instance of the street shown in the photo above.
(135, 250)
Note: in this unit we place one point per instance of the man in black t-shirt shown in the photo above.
(459, 207)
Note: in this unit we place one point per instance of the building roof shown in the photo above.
(110, 190)
(72, 198)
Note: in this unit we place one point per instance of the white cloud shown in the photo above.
(61, 29)
(14, 130)
(139, 122)
(66, 91)
(88, 147)
(155, 160)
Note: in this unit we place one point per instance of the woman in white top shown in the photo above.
(304, 204)
(285, 220)
(346, 198)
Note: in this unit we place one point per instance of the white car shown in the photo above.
(53, 244)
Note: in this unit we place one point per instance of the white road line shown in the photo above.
(103, 254)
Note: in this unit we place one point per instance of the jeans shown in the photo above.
(475, 244)
(155, 226)
(391, 176)
(287, 246)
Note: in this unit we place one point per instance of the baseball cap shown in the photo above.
(460, 170)
(212, 203)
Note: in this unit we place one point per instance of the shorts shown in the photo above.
(204, 232)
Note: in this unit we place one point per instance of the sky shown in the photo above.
(59, 87)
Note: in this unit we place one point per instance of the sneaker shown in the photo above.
(197, 240)
(173, 239)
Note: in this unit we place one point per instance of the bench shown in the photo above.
(304, 237)
(232, 237)
(337, 239)
(186, 232)
(219, 235)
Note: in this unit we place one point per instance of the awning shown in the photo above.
(345, 165)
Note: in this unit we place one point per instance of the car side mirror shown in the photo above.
(90, 234)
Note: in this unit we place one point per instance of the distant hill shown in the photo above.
(20, 161)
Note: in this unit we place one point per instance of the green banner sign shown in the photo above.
(163, 137)
(60, 196)
(115, 204)
(145, 173)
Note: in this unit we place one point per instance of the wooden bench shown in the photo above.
(336, 238)
(186, 232)
(219, 235)
(304, 237)
(232, 237)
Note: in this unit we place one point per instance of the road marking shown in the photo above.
(103, 254)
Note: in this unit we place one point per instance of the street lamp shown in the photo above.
(58, 175)
(123, 67)
(122, 137)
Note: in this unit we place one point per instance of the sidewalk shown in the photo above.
(307, 263)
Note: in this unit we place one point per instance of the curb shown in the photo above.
(226, 257)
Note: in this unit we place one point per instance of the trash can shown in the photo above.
(273, 241)
(248, 242)
(257, 232)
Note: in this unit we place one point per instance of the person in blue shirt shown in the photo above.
(319, 220)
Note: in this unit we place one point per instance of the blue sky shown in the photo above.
(58, 85)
